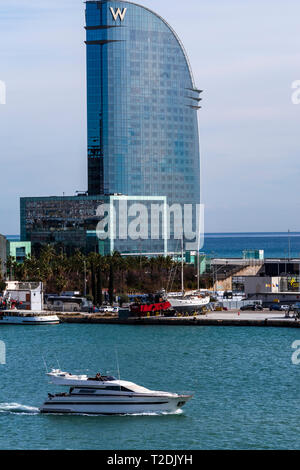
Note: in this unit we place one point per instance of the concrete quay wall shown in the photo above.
(188, 321)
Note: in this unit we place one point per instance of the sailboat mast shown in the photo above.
(182, 280)
(198, 270)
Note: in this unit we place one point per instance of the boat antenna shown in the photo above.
(45, 364)
(57, 362)
(118, 367)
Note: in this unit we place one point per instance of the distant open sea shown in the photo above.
(231, 245)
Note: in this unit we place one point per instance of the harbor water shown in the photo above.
(246, 389)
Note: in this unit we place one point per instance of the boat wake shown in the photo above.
(162, 413)
(158, 413)
(18, 408)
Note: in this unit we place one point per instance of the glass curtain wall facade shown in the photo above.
(142, 106)
(63, 221)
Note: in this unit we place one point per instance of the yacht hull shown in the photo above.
(188, 306)
(29, 320)
(115, 406)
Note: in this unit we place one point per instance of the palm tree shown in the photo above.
(77, 264)
(10, 264)
(93, 268)
(99, 285)
(111, 283)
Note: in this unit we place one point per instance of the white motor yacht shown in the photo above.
(106, 395)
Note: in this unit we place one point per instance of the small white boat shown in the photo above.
(105, 395)
(27, 317)
(189, 303)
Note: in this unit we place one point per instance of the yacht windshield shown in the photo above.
(132, 387)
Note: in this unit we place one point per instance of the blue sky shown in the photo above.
(244, 55)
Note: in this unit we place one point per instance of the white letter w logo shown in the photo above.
(117, 13)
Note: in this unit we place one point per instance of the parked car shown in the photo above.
(275, 306)
(106, 309)
(252, 307)
(285, 307)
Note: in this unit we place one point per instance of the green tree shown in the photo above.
(111, 282)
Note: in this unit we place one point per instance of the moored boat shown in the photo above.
(148, 308)
(26, 317)
(189, 303)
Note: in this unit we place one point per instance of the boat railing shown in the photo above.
(17, 313)
(103, 378)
